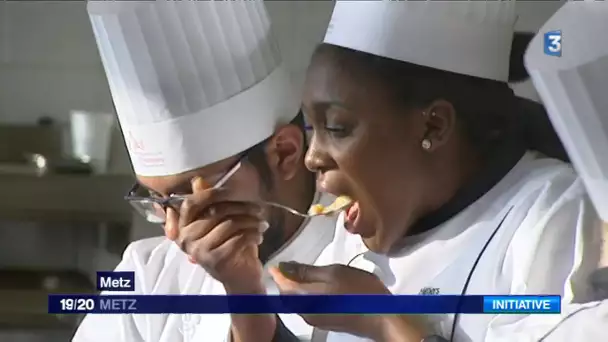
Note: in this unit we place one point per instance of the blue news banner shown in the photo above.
(124, 282)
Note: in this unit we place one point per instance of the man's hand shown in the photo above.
(221, 236)
(294, 278)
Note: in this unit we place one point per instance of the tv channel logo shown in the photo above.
(553, 43)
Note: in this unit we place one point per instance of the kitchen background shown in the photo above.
(56, 230)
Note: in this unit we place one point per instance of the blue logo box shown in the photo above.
(553, 43)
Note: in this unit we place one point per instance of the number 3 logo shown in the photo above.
(556, 43)
(553, 43)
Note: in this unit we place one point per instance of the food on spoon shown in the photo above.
(316, 209)
(339, 203)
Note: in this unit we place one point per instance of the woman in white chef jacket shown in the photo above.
(414, 120)
(573, 88)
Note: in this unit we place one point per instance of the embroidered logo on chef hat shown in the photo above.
(134, 144)
(144, 149)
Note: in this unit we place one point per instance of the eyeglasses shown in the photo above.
(154, 209)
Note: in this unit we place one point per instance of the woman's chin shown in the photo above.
(374, 244)
(373, 237)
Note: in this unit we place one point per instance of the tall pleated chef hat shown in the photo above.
(193, 82)
(574, 86)
(466, 37)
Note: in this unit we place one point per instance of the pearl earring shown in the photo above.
(426, 144)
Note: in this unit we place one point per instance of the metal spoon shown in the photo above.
(339, 204)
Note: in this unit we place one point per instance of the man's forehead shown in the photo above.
(182, 183)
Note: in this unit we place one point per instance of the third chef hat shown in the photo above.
(193, 82)
(569, 68)
(466, 37)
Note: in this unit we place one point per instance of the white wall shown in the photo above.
(49, 61)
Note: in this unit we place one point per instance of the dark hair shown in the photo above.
(537, 128)
(485, 124)
(519, 45)
(257, 156)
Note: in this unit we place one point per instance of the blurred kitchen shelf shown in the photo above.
(65, 198)
(24, 298)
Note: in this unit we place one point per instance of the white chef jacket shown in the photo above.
(162, 268)
(546, 244)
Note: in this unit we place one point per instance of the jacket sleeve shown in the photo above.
(585, 322)
(116, 328)
(555, 250)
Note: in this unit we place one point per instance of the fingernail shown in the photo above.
(198, 183)
(289, 269)
(260, 239)
(264, 225)
(274, 271)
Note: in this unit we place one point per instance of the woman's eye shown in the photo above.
(336, 130)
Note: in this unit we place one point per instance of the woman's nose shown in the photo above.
(310, 161)
(314, 159)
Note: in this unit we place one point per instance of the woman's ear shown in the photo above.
(440, 120)
(285, 151)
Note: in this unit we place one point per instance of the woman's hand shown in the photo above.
(294, 278)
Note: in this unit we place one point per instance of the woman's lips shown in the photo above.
(352, 212)
(352, 219)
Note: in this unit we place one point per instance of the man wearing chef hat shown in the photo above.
(573, 88)
(202, 99)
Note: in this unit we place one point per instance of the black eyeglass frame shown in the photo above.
(173, 201)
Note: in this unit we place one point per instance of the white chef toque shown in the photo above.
(466, 37)
(193, 82)
(574, 89)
